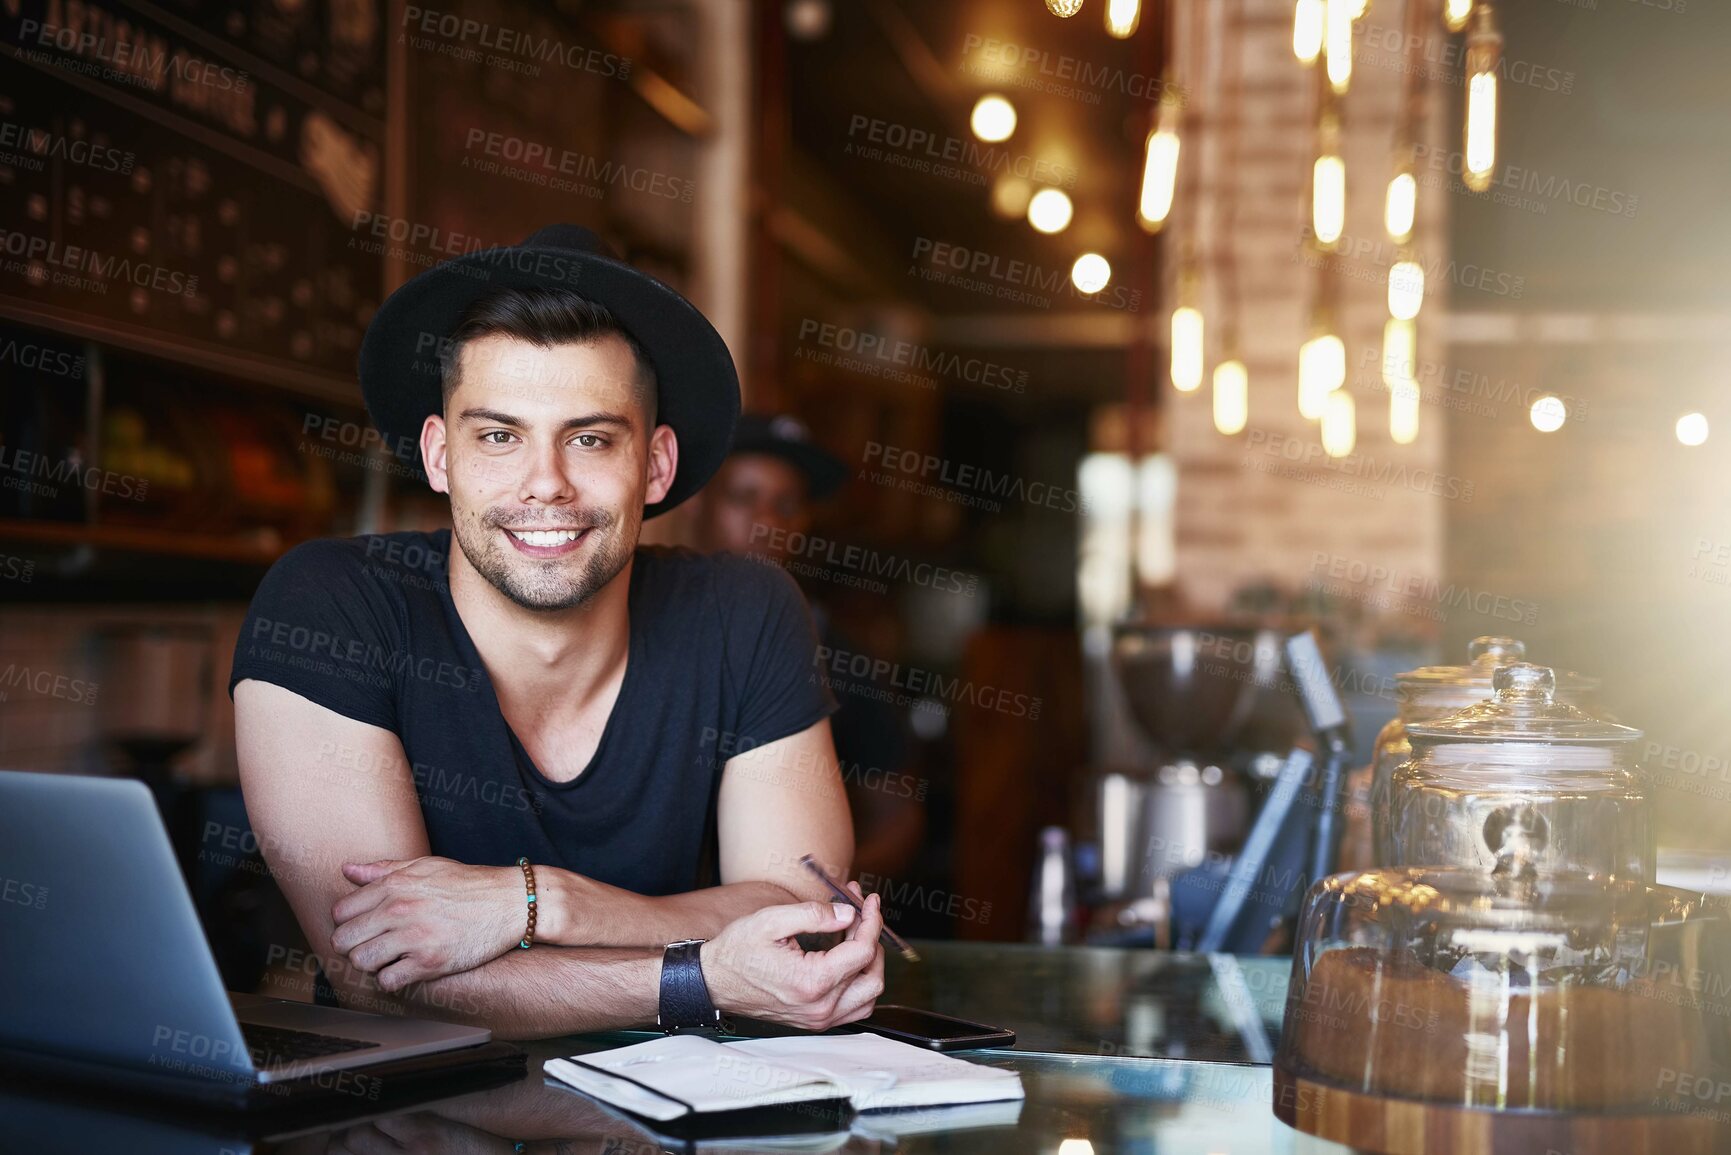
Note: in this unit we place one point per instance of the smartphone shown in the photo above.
(926, 1029)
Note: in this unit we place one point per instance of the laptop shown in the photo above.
(105, 974)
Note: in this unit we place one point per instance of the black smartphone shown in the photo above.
(926, 1029)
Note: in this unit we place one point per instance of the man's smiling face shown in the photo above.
(548, 459)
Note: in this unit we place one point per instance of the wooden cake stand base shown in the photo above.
(1407, 1127)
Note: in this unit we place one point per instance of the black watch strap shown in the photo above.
(685, 1002)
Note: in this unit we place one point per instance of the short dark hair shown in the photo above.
(543, 317)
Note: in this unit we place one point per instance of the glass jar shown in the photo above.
(1435, 692)
(1522, 785)
(1447, 1009)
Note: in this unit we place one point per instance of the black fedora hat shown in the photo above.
(698, 387)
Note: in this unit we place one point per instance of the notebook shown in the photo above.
(681, 1075)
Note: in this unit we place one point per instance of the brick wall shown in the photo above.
(1237, 522)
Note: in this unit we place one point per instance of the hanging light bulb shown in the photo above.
(1339, 424)
(1403, 402)
(1321, 370)
(1160, 169)
(1049, 211)
(1357, 8)
(1231, 397)
(1399, 352)
(1328, 199)
(1691, 427)
(1401, 205)
(1484, 54)
(1186, 348)
(994, 118)
(1337, 44)
(1307, 25)
(1548, 414)
(1405, 289)
(1456, 13)
(1122, 17)
(1090, 273)
(1064, 8)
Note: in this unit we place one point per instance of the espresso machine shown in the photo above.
(1193, 723)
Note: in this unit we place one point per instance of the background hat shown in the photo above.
(780, 435)
(698, 387)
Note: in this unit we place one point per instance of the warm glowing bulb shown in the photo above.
(1339, 424)
(1231, 397)
(1403, 401)
(1050, 211)
(1321, 370)
(1456, 13)
(1064, 8)
(1337, 43)
(1307, 18)
(1399, 353)
(1691, 428)
(1484, 54)
(1122, 17)
(1010, 197)
(1186, 349)
(1356, 8)
(1400, 207)
(1075, 1147)
(1328, 199)
(1405, 289)
(994, 118)
(1090, 272)
(1159, 172)
(1548, 414)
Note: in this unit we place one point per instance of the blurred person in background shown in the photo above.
(760, 503)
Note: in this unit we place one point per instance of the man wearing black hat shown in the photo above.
(760, 503)
(454, 756)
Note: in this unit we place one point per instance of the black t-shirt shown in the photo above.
(721, 660)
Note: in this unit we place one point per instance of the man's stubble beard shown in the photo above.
(545, 586)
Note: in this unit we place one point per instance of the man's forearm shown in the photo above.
(578, 911)
(547, 990)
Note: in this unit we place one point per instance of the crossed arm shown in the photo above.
(332, 803)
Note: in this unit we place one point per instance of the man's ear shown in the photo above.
(433, 453)
(663, 462)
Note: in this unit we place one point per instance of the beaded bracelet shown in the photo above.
(529, 884)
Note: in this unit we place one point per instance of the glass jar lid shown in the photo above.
(1523, 708)
(1484, 654)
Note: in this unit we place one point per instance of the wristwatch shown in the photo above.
(685, 1002)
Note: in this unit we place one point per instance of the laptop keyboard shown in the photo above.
(275, 1046)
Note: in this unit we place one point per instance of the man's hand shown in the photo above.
(424, 918)
(756, 968)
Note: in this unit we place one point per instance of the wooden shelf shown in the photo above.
(141, 539)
